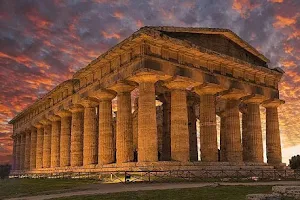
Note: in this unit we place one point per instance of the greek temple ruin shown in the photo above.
(137, 106)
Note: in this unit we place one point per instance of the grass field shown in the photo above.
(25, 187)
(206, 193)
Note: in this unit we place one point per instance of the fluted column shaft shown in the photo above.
(55, 142)
(14, 152)
(65, 140)
(106, 140)
(245, 134)
(192, 132)
(77, 137)
(208, 129)
(254, 132)
(233, 139)
(147, 126)
(179, 126)
(273, 136)
(47, 146)
(223, 135)
(124, 136)
(33, 148)
(27, 151)
(166, 140)
(90, 138)
(39, 147)
(18, 151)
(22, 151)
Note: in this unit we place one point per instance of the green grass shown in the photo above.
(25, 187)
(215, 193)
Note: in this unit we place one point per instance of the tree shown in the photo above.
(295, 162)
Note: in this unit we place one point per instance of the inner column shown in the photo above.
(124, 133)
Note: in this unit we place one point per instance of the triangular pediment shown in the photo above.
(219, 40)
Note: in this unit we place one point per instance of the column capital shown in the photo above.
(254, 99)
(233, 94)
(76, 108)
(123, 86)
(149, 77)
(45, 121)
(180, 83)
(272, 103)
(104, 94)
(63, 113)
(88, 103)
(37, 124)
(208, 88)
(52, 117)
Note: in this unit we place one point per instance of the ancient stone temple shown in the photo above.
(136, 107)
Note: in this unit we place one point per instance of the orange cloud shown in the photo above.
(288, 63)
(276, 1)
(244, 7)
(118, 14)
(282, 22)
(110, 35)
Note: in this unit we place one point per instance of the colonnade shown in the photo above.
(82, 135)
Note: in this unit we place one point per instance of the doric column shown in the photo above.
(223, 134)
(106, 152)
(18, 147)
(77, 136)
(46, 143)
(272, 131)
(180, 144)
(27, 150)
(22, 151)
(233, 132)
(18, 151)
(245, 134)
(166, 139)
(252, 143)
(208, 126)
(124, 134)
(39, 146)
(90, 133)
(33, 148)
(192, 129)
(55, 140)
(147, 125)
(13, 167)
(65, 138)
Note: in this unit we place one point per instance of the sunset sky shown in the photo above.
(42, 43)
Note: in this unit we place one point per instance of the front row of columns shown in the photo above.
(71, 138)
